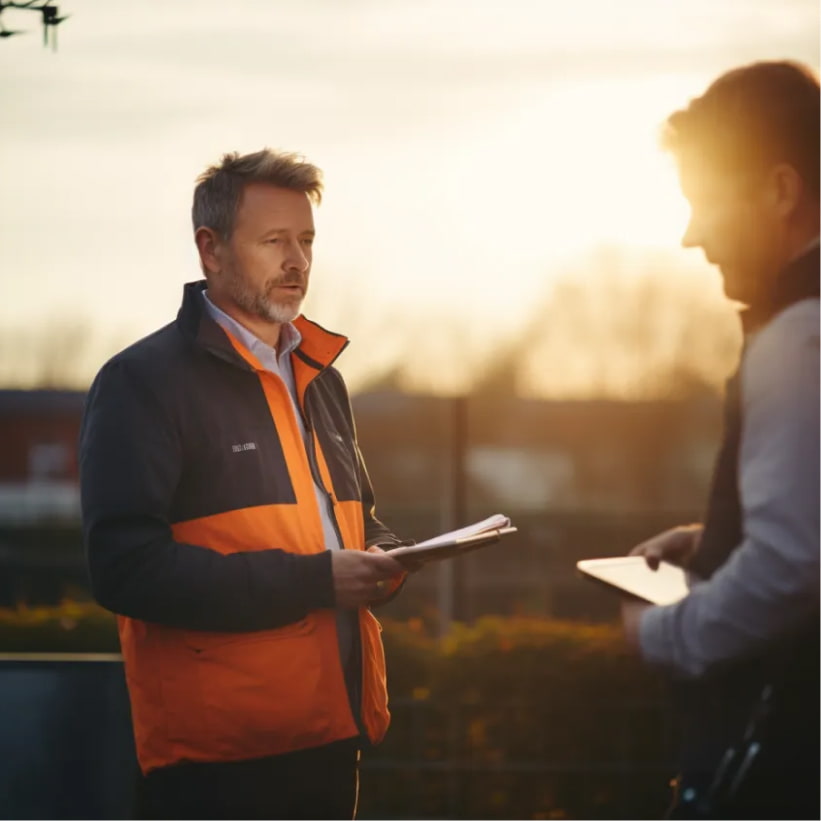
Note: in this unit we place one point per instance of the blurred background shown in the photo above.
(499, 238)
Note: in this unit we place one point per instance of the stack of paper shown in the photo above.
(455, 542)
(495, 522)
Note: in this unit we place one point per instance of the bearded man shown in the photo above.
(229, 523)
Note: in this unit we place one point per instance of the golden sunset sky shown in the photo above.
(475, 153)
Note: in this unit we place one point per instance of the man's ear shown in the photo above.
(786, 189)
(209, 245)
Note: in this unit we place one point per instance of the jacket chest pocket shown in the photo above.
(233, 470)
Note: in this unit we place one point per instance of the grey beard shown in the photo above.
(275, 311)
(260, 305)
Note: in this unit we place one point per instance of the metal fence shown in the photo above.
(66, 751)
(436, 764)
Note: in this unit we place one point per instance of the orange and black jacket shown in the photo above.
(203, 534)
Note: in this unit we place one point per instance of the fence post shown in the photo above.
(451, 588)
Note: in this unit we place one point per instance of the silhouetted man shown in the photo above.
(743, 645)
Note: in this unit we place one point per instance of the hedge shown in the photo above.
(70, 627)
(519, 718)
(505, 718)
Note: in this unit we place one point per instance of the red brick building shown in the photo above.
(38, 455)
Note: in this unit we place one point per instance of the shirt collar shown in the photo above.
(289, 336)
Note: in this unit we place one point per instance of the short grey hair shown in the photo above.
(219, 188)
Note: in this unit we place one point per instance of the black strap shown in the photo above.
(723, 527)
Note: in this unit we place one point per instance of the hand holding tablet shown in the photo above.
(631, 574)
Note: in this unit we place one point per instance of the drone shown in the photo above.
(49, 15)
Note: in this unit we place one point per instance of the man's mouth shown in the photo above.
(293, 287)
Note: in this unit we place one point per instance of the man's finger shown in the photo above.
(383, 564)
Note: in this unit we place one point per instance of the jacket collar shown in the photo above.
(319, 347)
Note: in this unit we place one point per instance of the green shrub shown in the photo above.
(519, 718)
(504, 718)
(70, 627)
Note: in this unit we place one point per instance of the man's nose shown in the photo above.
(297, 259)
(692, 235)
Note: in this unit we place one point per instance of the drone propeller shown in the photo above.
(49, 15)
(50, 21)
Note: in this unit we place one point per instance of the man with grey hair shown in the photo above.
(229, 522)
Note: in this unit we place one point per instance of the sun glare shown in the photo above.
(600, 174)
(501, 207)
(520, 203)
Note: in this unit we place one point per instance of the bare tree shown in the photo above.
(614, 327)
(622, 330)
(60, 353)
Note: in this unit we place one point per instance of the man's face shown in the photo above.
(265, 265)
(733, 222)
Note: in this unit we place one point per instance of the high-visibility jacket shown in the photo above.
(203, 533)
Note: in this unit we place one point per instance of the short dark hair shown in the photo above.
(752, 118)
(219, 188)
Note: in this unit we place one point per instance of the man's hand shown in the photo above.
(631, 610)
(408, 565)
(676, 546)
(360, 577)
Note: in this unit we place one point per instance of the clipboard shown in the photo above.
(631, 574)
(423, 553)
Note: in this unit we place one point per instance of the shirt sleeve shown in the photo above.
(770, 584)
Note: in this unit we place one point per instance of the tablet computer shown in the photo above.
(631, 574)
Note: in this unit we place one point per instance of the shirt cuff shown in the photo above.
(655, 635)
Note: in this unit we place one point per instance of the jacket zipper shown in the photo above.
(313, 463)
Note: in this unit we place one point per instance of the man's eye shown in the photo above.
(308, 241)
(272, 241)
